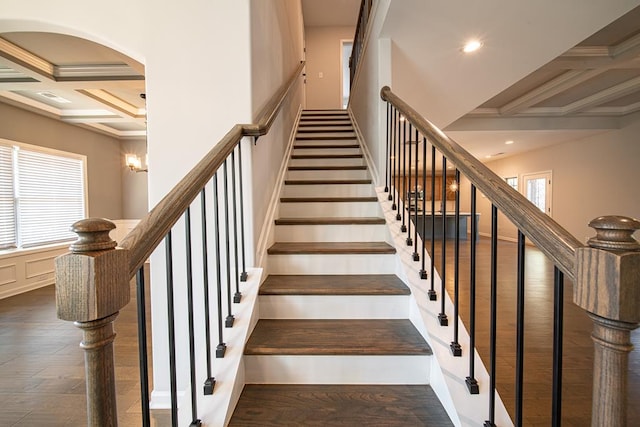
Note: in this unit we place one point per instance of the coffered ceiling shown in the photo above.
(75, 81)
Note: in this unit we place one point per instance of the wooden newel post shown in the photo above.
(608, 287)
(91, 288)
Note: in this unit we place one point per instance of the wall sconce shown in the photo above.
(453, 187)
(134, 163)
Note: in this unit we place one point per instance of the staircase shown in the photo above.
(334, 345)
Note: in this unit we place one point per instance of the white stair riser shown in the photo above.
(327, 151)
(332, 264)
(333, 209)
(338, 140)
(328, 190)
(357, 161)
(334, 306)
(324, 135)
(331, 233)
(413, 370)
(328, 174)
(322, 142)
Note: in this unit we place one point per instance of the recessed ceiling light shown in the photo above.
(508, 142)
(471, 46)
(488, 156)
(53, 97)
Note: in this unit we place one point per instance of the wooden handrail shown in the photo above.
(146, 236)
(551, 238)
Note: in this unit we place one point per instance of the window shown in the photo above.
(42, 192)
(537, 187)
(512, 181)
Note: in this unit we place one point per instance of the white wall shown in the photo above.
(324, 51)
(374, 72)
(592, 176)
(276, 51)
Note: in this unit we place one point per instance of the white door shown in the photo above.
(537, 188)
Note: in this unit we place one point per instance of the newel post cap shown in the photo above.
(92, 281)
(608, 270)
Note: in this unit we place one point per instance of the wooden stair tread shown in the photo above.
(324, 137)
(330, 221)
(328, 199)
(335, 284)
(327, 168)
(330, 248)
(336, 337)
(307, 147)
(326, 181)
(326, 156)
(278, 405)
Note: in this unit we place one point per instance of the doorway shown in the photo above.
(345, 53)
(537, 189)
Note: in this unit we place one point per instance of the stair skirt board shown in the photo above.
(328, 209)
(334, 306)
(331, 233)
(285, 369)
(334, 264)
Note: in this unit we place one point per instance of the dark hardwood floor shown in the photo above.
(577, 349)
(42, 366)
(42, 373)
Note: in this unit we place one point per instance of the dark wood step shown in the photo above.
(334, 284)
(294, 405)
(330, 248)
(326, 337)
(328, 199)
(326, 156)
(325, 119)
(372, 337)
(326, 181)
(327, 168)
(331, 221)
(304, 147)
(324, 137)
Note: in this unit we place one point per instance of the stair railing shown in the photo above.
(359, 37)
(92, 282)
(606, 273)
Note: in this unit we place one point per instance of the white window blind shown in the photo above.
(7, 202)
(50, 197)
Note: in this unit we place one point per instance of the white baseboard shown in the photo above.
(365, 150)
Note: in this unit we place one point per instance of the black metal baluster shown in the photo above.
(221, 348)
(520, 330)
(237, 297)
(403, 195)
(472, 383)
(398, 183)
(432, 293)
(423, 271)
(230, 319)
(416, 257)
(244, 275)
(393, 177)
(386, 173)
(442, 316)
(456, 349)
(192, 345)
(142, 346)
(210, 381)
(407, 146)
(172, 332)
(558, 310)
(494, 317)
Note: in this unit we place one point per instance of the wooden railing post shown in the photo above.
(91, 288)
(608, 288)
